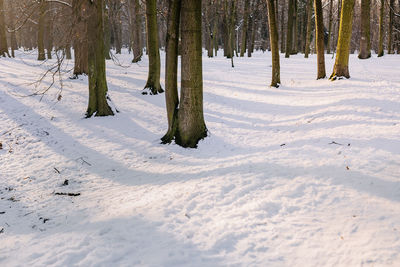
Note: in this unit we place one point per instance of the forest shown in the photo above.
(199, 133)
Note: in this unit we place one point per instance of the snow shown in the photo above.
(304, 175)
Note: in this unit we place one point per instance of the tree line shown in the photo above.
(92, 31)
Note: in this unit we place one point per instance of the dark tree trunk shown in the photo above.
(244, 28)
(309, 25)
(328, 46)
(289, 29)
(319, 37)
(381, 28)
(390, 27)
(41, 28)
(79, 8)
(273, 33)
(365, 40)
(153, 80)
(97, 105)
(191, 126)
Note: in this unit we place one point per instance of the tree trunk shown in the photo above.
(80, 44)
(295, 29)
(308, 33)
(381, 29)
(98, 105)
(49, 36)
(319, 38)
(137, 32)
(341, 67)
(192, 127)
(365, 40)
(390, 26)
(289, 29)
(13, 38)
(41, 27)
(273, 33)
(283, 26)
(328, 46)
(244, 28)
(171, 69)
(153, 80)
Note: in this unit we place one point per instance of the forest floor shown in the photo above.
(307, 174)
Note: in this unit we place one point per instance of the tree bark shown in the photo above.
(283, 26)
(365, 40)
(14, 45)
(319, 38)
(341, 67)
(192, 127)
(243, 44)
(80, 44)
(41, 28)
(273, 33)
(308, 33)
(97, 105)
(171, 69)
(153, 80)
(137, 32)
(328, 46)
(3, 38)
(289, 29)
(390, 27)
(381, 29)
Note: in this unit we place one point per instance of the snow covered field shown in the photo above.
(304, 175)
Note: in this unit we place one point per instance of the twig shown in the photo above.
(67, 194)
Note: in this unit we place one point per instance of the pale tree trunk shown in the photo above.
(273, 33)
(153, 80)
(308, 33)
(98, 104)
(191, 125)
(365, 40)
(13, 38)
(244, 28)
(381, 29)
(319, 38)
(341, 67)
(171, 69)
(41, 28)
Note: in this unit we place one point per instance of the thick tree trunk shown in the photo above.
(3, 38)
(273, 33)
(49, 36)
(289, 29)
(41, 28)
(341, 67)
(365, 40)
(309, 25)
(243, 44)
(107, 35)
(171, 69)
(381, 29)
(97, 105)
(328, 46)
(192, 127)
(282, 35)
(295, 44)
(153, 80)
(319, 38)
(14, 45)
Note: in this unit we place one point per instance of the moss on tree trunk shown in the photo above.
(341, 67)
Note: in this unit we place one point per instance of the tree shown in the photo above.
(273, 33)
(153, 79)
(13, 38)
(381, 29)
(244, 28)
(390, 26)
(79, 34)
(41, 28)
(319, 38)
(136, 30)
(98, 104)
(341, 67)
(309, 25)
(328, 45)
(3, 38)
(365, 40)
(186, 122)
(289, 29)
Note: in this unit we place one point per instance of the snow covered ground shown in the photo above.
(304, 175)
